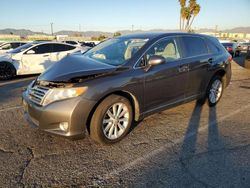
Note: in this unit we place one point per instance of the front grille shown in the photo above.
(37, 94)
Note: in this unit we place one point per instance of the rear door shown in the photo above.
(164, 83)
(60, 51)
(197, 60)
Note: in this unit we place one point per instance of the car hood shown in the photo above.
(5, 56)
(73, 67)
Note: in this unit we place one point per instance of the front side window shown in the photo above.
(194, 46)
(166, 48)
(42, 49)
(116, 51)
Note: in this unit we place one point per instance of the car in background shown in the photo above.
(126, 79)
(243, 46)
(89, 44)
(33, 58)
(7, 46)
(72, 42)
(232, 48)
(247, 59)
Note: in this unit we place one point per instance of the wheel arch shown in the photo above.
(132, 99)
(7, 62)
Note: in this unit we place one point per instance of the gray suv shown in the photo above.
(125, 79)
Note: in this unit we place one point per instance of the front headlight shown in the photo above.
(57, 94)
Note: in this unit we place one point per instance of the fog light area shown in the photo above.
(64, 126)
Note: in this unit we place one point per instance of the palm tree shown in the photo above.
(188, 13)
(182, 4)
(195, 13)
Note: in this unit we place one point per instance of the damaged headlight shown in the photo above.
(57, 94)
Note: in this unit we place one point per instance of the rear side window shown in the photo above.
(62, 47)
(194, 46)
(213, 49)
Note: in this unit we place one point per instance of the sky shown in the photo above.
(114, 15)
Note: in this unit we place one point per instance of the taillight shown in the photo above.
(229, 48)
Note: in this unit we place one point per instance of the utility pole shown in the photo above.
(79, 28)
(132, 28)
(51, 27)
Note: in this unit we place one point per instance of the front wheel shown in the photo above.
(215, 90)
(111, 120)
(7, 71)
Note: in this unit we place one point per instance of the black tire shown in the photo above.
(97, 125)
(7, 71)
(212, 103)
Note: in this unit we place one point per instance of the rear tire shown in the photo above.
(7, 71)
(213, 93)
(111, 120)
(215, 90)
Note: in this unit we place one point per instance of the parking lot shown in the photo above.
(187, 146)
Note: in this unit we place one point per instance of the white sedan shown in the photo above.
(33, 58)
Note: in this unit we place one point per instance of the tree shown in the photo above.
(188, 13)
(117, 34)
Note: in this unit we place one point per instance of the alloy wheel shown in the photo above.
(215, 91)
(115, 121)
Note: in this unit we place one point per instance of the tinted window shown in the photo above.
(212, 47)
(15, 45)
(6, 46)
(194, 46)
(227, 44)
(62, 47)
(71, 42)
(42, 49)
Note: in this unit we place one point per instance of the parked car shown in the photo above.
(72, 42)
(244, 46)
(125, 79)
(247, 60)
(89, 44)
(232, 48)
(7, 46)
(33, 58)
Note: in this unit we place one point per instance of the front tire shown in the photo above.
(7, 71)
(111, 120)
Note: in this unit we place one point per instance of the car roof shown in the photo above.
(152, 35)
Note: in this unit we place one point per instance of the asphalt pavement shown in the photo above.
(186, 146)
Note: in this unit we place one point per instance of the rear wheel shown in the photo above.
(111, 120)
(215, 90)
(7, 71)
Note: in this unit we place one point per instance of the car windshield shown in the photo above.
(116, 51)
(21, 48)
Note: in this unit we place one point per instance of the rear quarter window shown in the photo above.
(194, 46)
(214, 46)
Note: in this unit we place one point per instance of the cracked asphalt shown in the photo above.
(186, 146)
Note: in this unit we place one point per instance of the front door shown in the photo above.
(164, 83)
(36, 59)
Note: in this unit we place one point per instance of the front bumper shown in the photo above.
(73, 111)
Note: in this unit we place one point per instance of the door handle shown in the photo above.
(46, 55)
(184, 68)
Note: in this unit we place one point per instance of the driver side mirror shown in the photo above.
(30, 52)
(155, 60)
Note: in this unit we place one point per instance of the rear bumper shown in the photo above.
(74, 112)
